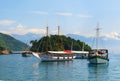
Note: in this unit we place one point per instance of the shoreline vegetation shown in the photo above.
(58, 43)
(9, 44)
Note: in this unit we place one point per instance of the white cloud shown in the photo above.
(55, 32)
(84, 16)
(21, 30)
(77, 33)
(6, 22)
(40, 12)
(113, 35)
(37, 31)
(63, 14)
(20, 27)
(5, 32)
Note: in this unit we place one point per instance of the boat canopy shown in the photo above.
(79, 52)
(100, 51)
(60, 52)
(68, 52)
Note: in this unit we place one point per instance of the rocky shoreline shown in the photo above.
(5, 52)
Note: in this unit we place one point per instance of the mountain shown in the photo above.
(26, 38)
(10, 43)
(81, 38)
(111, 44)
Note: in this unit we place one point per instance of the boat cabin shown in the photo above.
(99, 52)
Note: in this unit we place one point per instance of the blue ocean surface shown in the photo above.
(14, 67)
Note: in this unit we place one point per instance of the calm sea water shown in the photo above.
(18, 68)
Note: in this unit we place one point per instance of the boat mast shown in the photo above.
(97, 35)
(72, 46)
(47, 31)
(47, 38)
(58, 30)
(83, 47)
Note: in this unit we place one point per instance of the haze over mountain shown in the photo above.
(110, 42)
(26, 38)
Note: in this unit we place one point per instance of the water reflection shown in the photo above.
(36, 65)
(52, 71)
(98, 72)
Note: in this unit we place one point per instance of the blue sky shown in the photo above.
(73, 16)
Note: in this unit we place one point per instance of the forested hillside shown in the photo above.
(9, 43)
(58, 43)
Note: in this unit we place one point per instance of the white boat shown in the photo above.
(36, 55)
(98, 55)
(52, 56)
(81, 54)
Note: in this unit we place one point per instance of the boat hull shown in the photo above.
(54, 57)
(50, 58)
(55, 60)
(98, 60)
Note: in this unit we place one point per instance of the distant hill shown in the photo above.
(88, 40)
(9, 43)
(112, 45)
(26, 38)
(58, 43)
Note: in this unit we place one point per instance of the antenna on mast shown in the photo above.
(97, 35)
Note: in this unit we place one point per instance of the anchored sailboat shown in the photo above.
(50, 56)
(98, 55)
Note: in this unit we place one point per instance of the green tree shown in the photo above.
(2, 48)
(57, 43)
